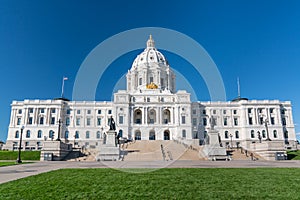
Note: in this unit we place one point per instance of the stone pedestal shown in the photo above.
(55, 150)
(109, 151)
(213, 150)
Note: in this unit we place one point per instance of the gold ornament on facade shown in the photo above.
(151, 86)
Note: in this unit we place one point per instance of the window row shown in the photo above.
(214, 112)
(263, 134)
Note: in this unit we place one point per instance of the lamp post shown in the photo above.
(266, 125)
(259, 136)
(20, 145)
(230, 140)
(59, 130)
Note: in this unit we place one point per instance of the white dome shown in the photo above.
(149, 55)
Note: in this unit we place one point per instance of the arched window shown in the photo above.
(275, 134)
(151, 116)
(226, 134)
(252, 134)
(28, 134)
(184, 133)
(17, 134)
(39, 134)
(137, 135)
(87, 135)
(166, 116)
(237, 135)
(51, 134)
(76, 134)
(264, 134)
(152, 135)
(98, 135)
(138, 116)
(66, 134)
(166, 135)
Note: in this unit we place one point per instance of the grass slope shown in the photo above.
(275, 183)
(25, 155)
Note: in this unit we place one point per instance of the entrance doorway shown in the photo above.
(166, 135)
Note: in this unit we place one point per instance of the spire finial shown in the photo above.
(150, 42)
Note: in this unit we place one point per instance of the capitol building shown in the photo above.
(150, 109)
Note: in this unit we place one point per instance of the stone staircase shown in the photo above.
(159, 150)
(238, 154)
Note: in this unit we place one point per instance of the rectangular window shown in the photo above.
(271, 110)
(283, 121)
(194, 121)
(29, 120)
(204, 122)
(236, 123)
(42, 120)
(67, 121)
(30, 110)
(109, 112)
(88, 112)
(249, 110)
(214, 112)
(98, 121)
(259, 110)
(68, 111)
(140, 81)
(261, 120)
(282, 111)
(53, 110)
(151, 79)
(88, 121)
(52, 120)
(77, 121)
(162, 82)
(120, 119)
(99, 112)
(250, 121)
(183, 119)
(78, 112)
(194, 112)
(148, 99)
(42, 110)
(234, 112)
(224, 112)
(19, 121)
(225, 121)
(272, 120)
(20, 111)
(204, 112)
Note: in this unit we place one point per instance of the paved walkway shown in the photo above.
(14, 172)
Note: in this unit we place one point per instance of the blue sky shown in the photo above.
(42, 41)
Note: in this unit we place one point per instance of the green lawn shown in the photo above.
(25, 155)
(214, 183)
(3, 164)
(293, 155)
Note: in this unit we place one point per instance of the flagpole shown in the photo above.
(62, 87)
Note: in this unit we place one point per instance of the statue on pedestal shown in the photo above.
(212, 123)
(112, 124)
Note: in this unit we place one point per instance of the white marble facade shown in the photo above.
(149, 109)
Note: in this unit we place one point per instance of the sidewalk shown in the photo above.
(14, 172)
